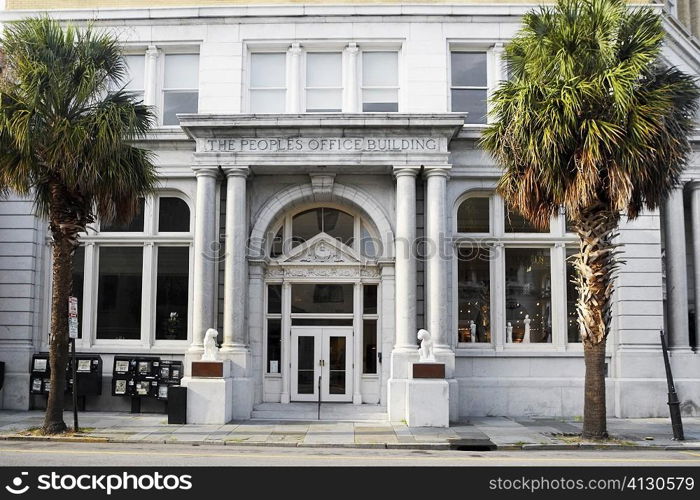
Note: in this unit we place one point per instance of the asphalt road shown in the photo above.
(41, 453)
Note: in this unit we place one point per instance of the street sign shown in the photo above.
(73, 317)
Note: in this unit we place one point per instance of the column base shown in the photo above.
(241, 361)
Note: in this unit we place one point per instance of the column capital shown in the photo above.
(152, 51)
(206, 171)
(236, 171)
(352, 48)
(437, 171)
(406, 170)
(295, 49)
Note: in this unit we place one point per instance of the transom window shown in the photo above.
(348, 229)
(511, 278)
(151, 254)
(469, 84)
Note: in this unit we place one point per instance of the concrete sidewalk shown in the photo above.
(482, 433)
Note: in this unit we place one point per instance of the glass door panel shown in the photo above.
(337, 365)
(336, 368)
(306, 366)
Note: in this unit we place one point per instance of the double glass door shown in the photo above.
(321, 356)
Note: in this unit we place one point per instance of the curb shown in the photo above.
(367, 446)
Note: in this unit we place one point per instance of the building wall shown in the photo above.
(490, 383)
(22, 291)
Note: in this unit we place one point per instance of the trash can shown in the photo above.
(177, 404)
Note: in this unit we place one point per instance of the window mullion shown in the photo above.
(148, 292)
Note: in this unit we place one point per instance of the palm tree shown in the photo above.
(65, 141)
(591, 120)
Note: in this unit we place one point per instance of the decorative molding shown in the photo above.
(321, 271)
(322, 185)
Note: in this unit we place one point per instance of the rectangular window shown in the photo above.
(135, 78)
(380, 81)
(119, 293)
(324, 82)
(516, 223)
(573, 333)
(180, 86)
(77, 288)
(528, 295)
(474, 292)
(172, 292)
(322, 298)
(274, 299)
(134, 226)
(469, 85)
(268, 87)
(369, 294)
(369, 346)
(274, 345)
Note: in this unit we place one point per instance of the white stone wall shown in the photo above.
(21, 296)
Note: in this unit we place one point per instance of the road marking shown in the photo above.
(691, 453)
(349, 457)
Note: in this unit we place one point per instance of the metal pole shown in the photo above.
(674, 404)
(75, 388)
(319, 399)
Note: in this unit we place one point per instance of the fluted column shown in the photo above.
(676, 271)
(405, 258)
(695, 224)
(205, 255)
(436, 232)
(236, 265)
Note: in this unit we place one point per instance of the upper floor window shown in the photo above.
(380, 81)
(180, 86)
(473, 215)
(268, 87)
(469, 86)
(324, 82)
(135, 79)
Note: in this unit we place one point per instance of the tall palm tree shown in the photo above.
(591, 120)
(65, 141)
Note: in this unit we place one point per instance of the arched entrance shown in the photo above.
(322, 330)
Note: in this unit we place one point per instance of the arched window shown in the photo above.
(473, 215)
(349, 229)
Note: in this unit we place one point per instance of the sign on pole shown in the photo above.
(73, 317)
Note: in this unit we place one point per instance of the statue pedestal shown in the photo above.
(427, 396)
(209, 393)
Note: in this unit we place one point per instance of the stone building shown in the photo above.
(301, 149)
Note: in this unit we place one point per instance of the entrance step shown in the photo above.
(334, 412)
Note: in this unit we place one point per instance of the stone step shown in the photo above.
(329, 412)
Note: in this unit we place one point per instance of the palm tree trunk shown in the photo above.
(596, 264)
(58, 350)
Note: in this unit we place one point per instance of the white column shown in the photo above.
(405, 258)
(350, 99)
(695, 224)
(150, 79)
(437, 257)
(357, 345)
(236, 266)
(676, 271)
(286, 342)
(294, 82)
(205, 255)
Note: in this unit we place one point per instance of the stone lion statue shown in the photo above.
(211, 350)
(425, 351)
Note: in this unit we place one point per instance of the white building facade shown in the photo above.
(322, 197)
